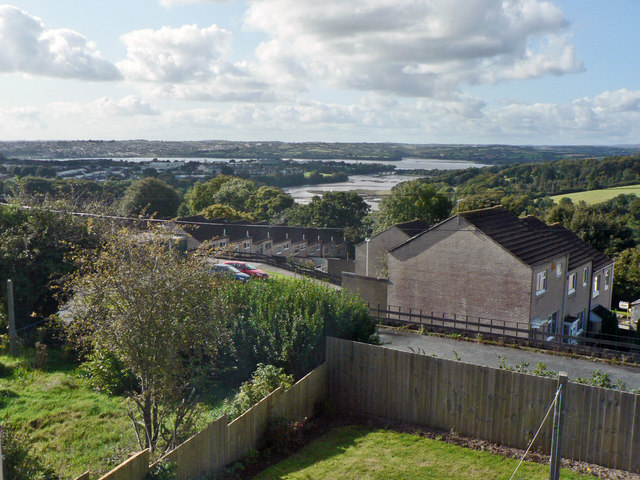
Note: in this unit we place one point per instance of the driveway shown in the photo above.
(487, 355)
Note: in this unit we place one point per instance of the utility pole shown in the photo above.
(558, 426)
(13, 340)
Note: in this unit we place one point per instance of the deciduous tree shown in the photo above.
(155, 313)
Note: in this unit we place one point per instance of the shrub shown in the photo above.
(283, 322)
(264, 380)
(162, 471)
(106, 373)
(20, 462)
(282, 436)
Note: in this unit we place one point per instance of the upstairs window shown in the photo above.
(541, 283)
(607, 280)
(585, 277)
(573, 279)
(558, 269)
(596, 285)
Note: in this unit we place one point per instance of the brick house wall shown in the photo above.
(455, 268)
(379, 245)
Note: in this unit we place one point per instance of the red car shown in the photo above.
(248, 269)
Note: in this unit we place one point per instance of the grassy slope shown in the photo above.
(366, 453)
(71, 426)
(597, 196)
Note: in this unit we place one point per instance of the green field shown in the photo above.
(369, 453)
(597, 196)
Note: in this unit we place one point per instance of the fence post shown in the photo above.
(558, 425)
(1, 458)
(13, 341)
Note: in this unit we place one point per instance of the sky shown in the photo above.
(416, 71)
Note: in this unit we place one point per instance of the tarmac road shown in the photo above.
(481, 354)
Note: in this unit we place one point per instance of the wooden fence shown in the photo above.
(601, 426)
(222, 443)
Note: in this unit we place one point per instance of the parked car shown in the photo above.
(248, 269)
(230, 270)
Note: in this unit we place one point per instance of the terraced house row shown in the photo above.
(261, 238)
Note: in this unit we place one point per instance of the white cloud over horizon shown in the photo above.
(598, 117)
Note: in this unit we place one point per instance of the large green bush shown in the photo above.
(283, 322)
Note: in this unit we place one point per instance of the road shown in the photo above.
(487, 355)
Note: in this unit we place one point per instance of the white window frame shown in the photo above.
(558, 269)
(585, 276)
(278, 250)
(286, 246)
(541, 282)
(596, 285)
(573, 280)
(607, 279)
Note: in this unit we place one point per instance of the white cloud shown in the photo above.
(176, 55)
(27, 47)
(129, 106)
(172, 3)
(414, 48)
(21, 118)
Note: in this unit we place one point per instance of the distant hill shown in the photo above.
(487, 154)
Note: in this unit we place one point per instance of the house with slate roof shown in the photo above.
(260, 238)
(491, 264)
(371, 254)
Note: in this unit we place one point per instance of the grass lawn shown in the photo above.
(597, 196)
(368, 453)
(72, 427)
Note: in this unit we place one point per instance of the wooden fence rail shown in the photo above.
(601, 426)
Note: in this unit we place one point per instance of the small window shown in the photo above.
(303, 247)
(558, 269)
(607, 280)
(585, 277)
(573, 278)
(286, 246)
(223, 244)
(279, 250)
(296, 249)
(268, 246)
(541, 283)
(596, 285)
(247, 245)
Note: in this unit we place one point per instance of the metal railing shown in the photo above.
(598, 345)
(286, 263)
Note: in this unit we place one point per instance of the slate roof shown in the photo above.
(203, 229)
(413, 227)
(533, 241)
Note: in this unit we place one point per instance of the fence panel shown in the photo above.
(601, 426)
(222, 443)
(133, 469)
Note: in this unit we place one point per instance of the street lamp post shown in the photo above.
(366, 267)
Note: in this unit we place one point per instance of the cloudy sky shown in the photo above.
(418, 71)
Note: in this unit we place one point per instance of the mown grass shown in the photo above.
(598, 196)
(72, 427)
(368, 453)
